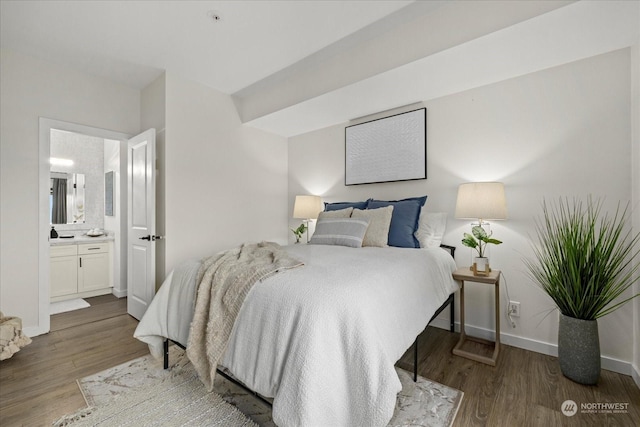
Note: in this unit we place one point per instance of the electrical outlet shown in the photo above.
(514, 308)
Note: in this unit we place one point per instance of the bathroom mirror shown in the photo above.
(67, 198)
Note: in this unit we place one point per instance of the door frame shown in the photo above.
(44, 283)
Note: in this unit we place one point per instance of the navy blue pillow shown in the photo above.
(343, 205)
(404, 220)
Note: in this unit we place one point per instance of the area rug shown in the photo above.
(423, 403)
(179, 400)
(68, 305)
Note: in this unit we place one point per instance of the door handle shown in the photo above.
(152, 238)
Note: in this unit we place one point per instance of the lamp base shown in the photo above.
(480, 272)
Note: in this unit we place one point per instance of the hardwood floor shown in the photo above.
(38, 384)
(523, 389)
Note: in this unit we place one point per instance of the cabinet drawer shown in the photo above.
(93, 248)
(65, 250)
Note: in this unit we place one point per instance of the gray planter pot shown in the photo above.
(579, 349)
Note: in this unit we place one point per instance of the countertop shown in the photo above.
(83, 238)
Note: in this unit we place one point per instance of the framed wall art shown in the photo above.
(389, 149)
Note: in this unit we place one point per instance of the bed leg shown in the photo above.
(415, 360)
(452, 312)
(166, 353)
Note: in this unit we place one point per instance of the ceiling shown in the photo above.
(252, 39)
(295, 66)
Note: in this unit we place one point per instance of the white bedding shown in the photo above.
(321, 340)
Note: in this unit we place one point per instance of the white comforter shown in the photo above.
(321, 340)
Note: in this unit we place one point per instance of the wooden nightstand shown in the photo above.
(465, 274)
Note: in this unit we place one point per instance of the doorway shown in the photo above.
(119, 141)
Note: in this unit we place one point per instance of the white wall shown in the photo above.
(635, 126)
(225, 183)
(152, 115)
(29, 89)
(113, 223)
(559, 132)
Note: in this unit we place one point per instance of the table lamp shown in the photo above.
(307, 207)
(481, 201)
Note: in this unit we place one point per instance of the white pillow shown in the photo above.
(380, 221)
(431, 228)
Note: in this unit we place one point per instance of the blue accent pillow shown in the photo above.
(344, 205)
(404, 220)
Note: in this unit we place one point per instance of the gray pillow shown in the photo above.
(342, 213)
(380, 221)
(340, 232)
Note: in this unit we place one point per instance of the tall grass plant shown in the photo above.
(585, 260)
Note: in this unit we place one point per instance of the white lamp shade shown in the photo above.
(307, 207)
(481, 200)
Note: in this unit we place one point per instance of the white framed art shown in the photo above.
(389, 149)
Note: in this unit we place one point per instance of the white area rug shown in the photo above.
(68, 305)
(424, 403)
(179, 400)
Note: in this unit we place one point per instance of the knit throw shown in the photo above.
(224, 280)
(11, 336)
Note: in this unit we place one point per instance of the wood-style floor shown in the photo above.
(523, 389)
(38, 384)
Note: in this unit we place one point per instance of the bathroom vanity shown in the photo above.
(81, 267)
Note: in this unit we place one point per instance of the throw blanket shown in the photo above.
(11, 336)
(224, 280)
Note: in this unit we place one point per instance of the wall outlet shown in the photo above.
(514, 308)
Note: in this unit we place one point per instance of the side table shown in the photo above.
(465, 274)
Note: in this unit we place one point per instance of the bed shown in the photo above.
(322, 339)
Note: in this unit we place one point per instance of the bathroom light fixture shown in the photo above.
(60, 162)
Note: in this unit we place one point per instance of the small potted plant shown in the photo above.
(479, 241)
(298, 232)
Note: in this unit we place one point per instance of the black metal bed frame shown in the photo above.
(218, 370)
(450, 302)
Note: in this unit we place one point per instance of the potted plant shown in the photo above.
(584, 261)
(479, 241)
(298, 232)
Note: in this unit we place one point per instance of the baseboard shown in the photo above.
(635, 374)
(608, 363)
(33, 331)
(118, 293)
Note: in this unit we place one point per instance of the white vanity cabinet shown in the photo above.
(81, 270)
(93, 266)
(64, 271)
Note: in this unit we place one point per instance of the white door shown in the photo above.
(141, 215)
